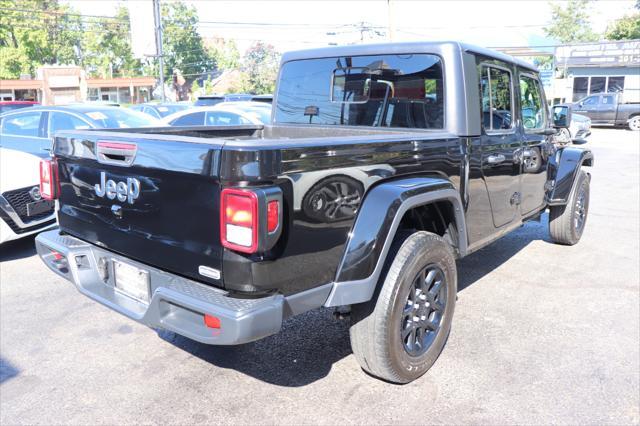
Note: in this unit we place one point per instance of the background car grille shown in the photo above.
(18, 199)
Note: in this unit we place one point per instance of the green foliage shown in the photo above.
(225, 55)
(260, 64)
(625, 28)
(35, 38)
(106, 48)
(570, 22)
(183, 46)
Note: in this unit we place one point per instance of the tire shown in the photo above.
(566, 223)
(378, 326)
(564, 137)
(634, 123)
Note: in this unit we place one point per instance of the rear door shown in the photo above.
(501, 143)
(607, 109)
(148, 198)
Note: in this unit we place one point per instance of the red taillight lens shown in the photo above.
(273, 216)
(239, 220)
(48, 179)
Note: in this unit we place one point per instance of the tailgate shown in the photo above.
(150, 198)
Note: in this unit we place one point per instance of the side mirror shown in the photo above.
(561, 116)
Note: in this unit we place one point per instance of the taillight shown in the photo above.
(48, 179)
(250, 219)
(239, 228)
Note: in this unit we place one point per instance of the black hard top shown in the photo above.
(399, 48)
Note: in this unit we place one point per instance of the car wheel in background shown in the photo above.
(634, 123)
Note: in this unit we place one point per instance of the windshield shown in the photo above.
(122, 118)
(377, 90)
(11, 107)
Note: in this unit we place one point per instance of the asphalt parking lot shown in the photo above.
(542, 334)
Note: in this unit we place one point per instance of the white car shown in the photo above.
(23, 211)
(222, 114)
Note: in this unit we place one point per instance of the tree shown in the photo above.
(570, 22)
(260, 64)
(225, 54)
(625, 28)
(36, 32)
(182, 44)
(107, 48)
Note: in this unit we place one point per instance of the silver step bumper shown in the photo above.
(177, 304)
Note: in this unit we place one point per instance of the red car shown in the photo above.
(11, 105)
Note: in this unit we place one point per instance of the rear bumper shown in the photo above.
(177, 304)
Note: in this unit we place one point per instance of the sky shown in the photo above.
(291, 25)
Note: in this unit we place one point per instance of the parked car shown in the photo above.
(6, 106)
(211, 100)
(222, 114)
(23, 211)
(579, 127)
(375, 174)
(608, 109)
(160, 110)
(30, 130)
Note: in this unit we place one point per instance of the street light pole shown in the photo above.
(158, 24)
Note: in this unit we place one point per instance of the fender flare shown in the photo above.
(564, 167)
(375, 227)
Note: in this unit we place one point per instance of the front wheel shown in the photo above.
(566, 223)
(398, 336)
(634, 123)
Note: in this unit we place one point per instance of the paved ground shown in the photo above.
(542, 334)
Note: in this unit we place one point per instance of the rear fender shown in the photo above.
(564, 167)
(375, 228)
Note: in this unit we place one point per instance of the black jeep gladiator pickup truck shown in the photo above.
(383, 164)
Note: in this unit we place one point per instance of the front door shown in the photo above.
(501, 143)
(589, 107)
(533, 119)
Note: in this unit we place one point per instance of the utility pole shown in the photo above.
(391, 21)
(158, 24)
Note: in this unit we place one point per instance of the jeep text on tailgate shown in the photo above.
(383, 165)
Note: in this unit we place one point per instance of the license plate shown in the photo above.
(131, 281)
(38, 207)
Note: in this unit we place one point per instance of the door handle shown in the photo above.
(496, 159)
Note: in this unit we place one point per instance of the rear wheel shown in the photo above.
(399, 335)
(566, 223)
(634, 123)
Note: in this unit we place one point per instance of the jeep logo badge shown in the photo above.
(124, 191)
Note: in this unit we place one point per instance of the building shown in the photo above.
(60, 85)
(587, 68)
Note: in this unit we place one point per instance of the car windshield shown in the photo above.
(122, 118)
(165, 110)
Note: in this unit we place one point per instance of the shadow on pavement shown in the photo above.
(308, 345)
(18, 249)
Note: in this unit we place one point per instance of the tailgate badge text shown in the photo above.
(128, 191)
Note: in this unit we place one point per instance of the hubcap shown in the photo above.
(580, 211)
(424, 310)
(635, 123)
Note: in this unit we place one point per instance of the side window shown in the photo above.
(591, 100)
(194, 119)
(219, 118)
(25, 124)
(152, 112)
(607, 100)
(495, 90)
(533, 110)
(63, 121)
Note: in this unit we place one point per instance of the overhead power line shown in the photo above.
(54, 12)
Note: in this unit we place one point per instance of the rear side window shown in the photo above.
(533, 109)
(25, 124)
(194, 119)
(496, 98)
(375, 90)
